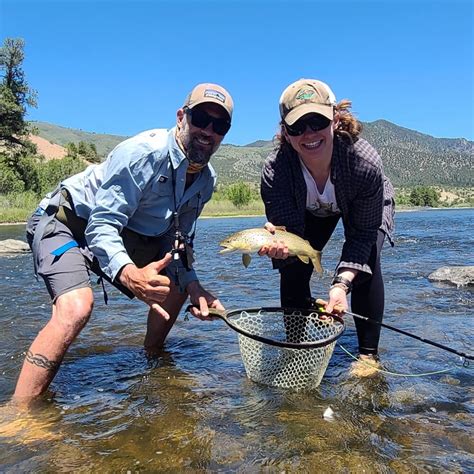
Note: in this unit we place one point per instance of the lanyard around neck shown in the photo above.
(176, 223)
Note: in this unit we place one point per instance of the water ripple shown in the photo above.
(113, 408)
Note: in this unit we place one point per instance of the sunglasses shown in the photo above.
(315, 123)
(201, 119)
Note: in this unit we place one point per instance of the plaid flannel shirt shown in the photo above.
(363, 194)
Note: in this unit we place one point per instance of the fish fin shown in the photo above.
(246, 259)
(317, 262)
(303, 258)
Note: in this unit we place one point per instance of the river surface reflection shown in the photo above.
(113, 409)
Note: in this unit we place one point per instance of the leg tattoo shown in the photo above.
(42, 361)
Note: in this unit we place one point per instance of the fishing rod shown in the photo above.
(323, 303)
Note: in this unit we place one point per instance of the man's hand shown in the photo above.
(202, 301)
(147, 284)
(276, 249)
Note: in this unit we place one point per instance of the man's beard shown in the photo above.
(196, 154)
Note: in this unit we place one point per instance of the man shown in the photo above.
(131, 220)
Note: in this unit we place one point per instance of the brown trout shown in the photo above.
(252, 240)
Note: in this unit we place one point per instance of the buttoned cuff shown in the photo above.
(118, 261)
(356, 266)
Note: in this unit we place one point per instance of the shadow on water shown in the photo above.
(112, 408)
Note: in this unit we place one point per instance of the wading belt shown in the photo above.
(44, 224)
(69, 218)
(60, 207)
(77, 225)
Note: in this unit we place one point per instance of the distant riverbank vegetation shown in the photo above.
(26, 176)
(238, 199)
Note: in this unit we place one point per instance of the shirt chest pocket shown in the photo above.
(162, 186)
(159, 200)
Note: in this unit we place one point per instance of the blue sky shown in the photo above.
(124, 66)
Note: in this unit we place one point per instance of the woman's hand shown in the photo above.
(340, 287)
(337, 301)
(277, 249)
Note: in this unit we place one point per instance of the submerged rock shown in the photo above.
(459, 276)
(13, 246)
(328, 414)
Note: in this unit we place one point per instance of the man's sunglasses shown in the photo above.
(315, 123)
(201, 119)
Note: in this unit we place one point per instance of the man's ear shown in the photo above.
(335, 121)
(180, 117)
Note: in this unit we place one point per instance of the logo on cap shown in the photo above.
(215, 95)
(305, 94)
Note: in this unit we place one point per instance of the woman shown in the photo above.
(322, 171)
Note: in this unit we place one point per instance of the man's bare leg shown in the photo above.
(157, 327)
(70, 314)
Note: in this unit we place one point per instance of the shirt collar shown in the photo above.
(176, 154)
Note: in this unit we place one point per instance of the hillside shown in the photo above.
(50, 150)
(62, 136)
(410, 157)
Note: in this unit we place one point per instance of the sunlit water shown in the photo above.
(192, 408)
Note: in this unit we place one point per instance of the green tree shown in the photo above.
(240, 194)
(20, 166)
(85, 150)
(82, 148)
(9, 182)
(15, 94)
(424, 196)
(52, 172)
(415, 197)
(71, 149)
(402, 197)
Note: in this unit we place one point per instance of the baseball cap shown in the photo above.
(208, 92)
(306, 96)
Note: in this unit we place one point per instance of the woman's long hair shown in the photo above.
(348, 127)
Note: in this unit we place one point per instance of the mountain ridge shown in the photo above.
(410, 157)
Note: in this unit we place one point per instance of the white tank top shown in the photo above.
(320, 204)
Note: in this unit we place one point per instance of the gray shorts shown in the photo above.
(72, 269)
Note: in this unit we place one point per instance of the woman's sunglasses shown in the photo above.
(201, 119)
(315, 123)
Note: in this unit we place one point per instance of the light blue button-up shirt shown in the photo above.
(134, 188)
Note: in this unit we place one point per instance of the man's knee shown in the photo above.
(72, 311)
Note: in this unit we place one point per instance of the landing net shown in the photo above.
(297, 349)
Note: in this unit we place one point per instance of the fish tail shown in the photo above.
(316, 259)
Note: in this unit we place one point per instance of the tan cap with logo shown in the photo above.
(208, 92)
(306, 96)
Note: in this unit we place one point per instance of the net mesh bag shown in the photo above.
(294, 368)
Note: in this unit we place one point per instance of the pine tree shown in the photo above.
(15, 94)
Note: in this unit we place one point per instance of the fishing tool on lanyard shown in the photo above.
(182, 243)
(182, 248)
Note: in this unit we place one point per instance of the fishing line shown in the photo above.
(320, 305)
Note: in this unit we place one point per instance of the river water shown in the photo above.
(192, 408)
